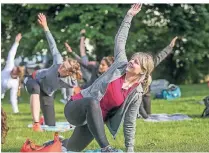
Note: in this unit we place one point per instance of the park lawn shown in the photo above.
(179, 136)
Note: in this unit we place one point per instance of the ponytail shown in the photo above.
(20, 74)
(146, 83)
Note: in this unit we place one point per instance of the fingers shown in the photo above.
(83, 31)
(140, 7)
(19, 35)
(39, 21)
(172, 44)
(136, 6)
(66, 45)
(41, 17)
(176, 38)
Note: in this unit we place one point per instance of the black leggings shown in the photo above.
(86, 115)
(145, 107)
(46, 102)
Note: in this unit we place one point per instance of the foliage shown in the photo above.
(152, 30)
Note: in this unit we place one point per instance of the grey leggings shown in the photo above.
(145, 107)
(46, 102)
(86, 115)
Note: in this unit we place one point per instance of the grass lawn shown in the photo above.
(179, 136)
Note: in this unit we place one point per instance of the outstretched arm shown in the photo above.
(84, 62)
(165, 52)
(82, 43)
(69, 49)
(122, 35)
(129, 125)
(12, 52)
(57, 58)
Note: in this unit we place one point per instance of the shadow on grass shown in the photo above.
(195, 116)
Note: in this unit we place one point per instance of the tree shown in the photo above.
(151, 31)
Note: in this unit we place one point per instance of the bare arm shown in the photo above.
(129, 125)
(82, 60)
(82, 43)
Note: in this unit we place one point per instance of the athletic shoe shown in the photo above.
(41, 120)
(110, 149)
(37, 127)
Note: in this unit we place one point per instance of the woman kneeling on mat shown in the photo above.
(43, 83)
(114, 97)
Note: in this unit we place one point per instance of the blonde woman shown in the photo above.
(12, 75)
(113, 98)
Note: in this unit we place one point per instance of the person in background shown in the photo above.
(68, 92)
(91, 70)
(42, 84)
(11, 76)
(145, 108)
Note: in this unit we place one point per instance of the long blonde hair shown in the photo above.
(147, 66)
(20, 74)
(75, 70)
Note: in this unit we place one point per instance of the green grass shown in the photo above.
(179, 136)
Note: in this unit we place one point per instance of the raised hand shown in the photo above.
(135, 8)
(83, 31)
(18, 37)
(173, 41)
(42, 21)
(69, 49)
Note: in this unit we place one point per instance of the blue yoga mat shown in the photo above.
(60, 127)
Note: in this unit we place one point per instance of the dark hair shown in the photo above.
(109, 60)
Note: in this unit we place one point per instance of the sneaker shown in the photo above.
(37, 127)
(41, 121)
(110, 149)
(64, 150)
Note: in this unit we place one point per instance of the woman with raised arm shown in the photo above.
(113, 98)
(12, 75)
(91, 70)
(43, 83)
(145, 108)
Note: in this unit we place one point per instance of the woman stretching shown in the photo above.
(113, 98)
(91, 70)
(11, 75)
(145, 108)
(43, 83)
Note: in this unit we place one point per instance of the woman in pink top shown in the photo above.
(112, 98)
